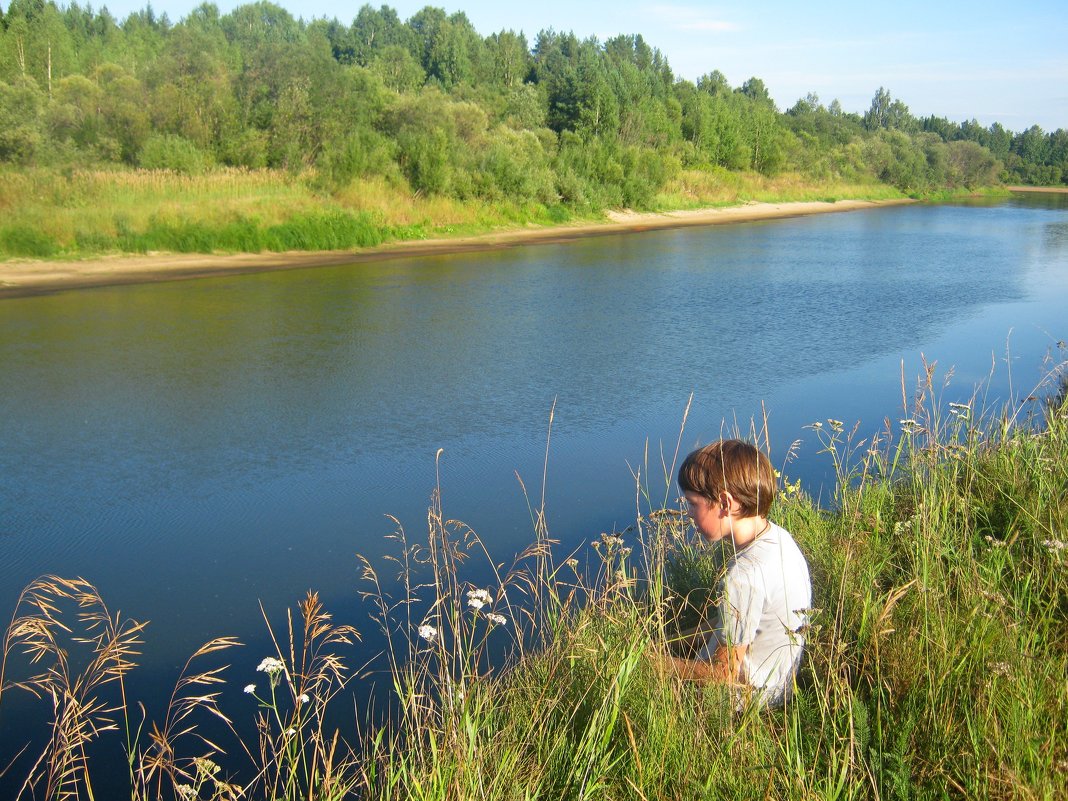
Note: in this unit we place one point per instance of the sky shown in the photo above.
(962, 60)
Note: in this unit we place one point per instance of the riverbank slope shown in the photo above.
(25, 277)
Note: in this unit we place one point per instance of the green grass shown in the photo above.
(85, 213)
(719, 187)
(935, 665)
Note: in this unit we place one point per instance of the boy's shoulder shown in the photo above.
(774, 546)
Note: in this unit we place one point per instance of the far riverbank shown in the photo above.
(1057, 190)
(22, 278)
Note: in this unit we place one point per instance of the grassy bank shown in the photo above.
(935, 668)
(88, 213)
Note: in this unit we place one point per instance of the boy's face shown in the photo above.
(708, 516)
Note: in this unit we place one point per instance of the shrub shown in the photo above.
(170, 152)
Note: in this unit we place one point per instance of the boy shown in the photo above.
(756, 636)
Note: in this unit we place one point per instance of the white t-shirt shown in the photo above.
(765, 592)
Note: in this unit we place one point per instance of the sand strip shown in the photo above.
(22, 278)
(1056, 190)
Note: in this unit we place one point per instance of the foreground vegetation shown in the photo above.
(935, 666)
(121, 135)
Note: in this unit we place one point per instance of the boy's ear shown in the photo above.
(726, 501)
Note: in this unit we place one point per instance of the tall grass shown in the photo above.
(85, 213)
(719, 187)
(935, 665)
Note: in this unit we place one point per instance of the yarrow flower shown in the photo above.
(428, 633)
(290, 731)
(250, 688)
(1055, 545)
(270, 666)
(611, 540)
(500, 620)
(572, 563)
(303, 698)
(478, 598)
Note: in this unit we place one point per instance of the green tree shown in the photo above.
(970, 165)
(524, 107)
(190, 84)
(1031, 146)
(124, 113)
(714, 83)
(21, 130)
(36, 43)
(74, 113)
(998, 140)
(756, 91)
(509, 55)
(887, 113)
(399, 69)
(376, 30)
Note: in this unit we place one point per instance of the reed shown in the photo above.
(935, 661)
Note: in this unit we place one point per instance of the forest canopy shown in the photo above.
(432, 104)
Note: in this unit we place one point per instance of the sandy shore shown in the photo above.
(21, 278)
(1057, 190)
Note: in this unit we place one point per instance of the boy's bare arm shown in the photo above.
(725, 666)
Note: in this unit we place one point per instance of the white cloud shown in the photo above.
(691, 18)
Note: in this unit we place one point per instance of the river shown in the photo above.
(194, 448)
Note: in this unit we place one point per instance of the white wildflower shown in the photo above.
(475, 603)
(479, 594)
(303, 698)
(611, 540)
(572, 563)
(1055, 545)
(625, 552)
(837, 425)
(185, 791)
(1001, 668)
(270, 666)
(250, 688)
(428, 633)
(500, 620)
(290, 731)
(817, 424)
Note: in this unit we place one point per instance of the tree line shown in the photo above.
(432, 103)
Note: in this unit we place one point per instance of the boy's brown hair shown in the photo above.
(735, 466)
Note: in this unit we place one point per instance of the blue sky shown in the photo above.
(962, 60)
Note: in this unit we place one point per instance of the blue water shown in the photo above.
(195, 448)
